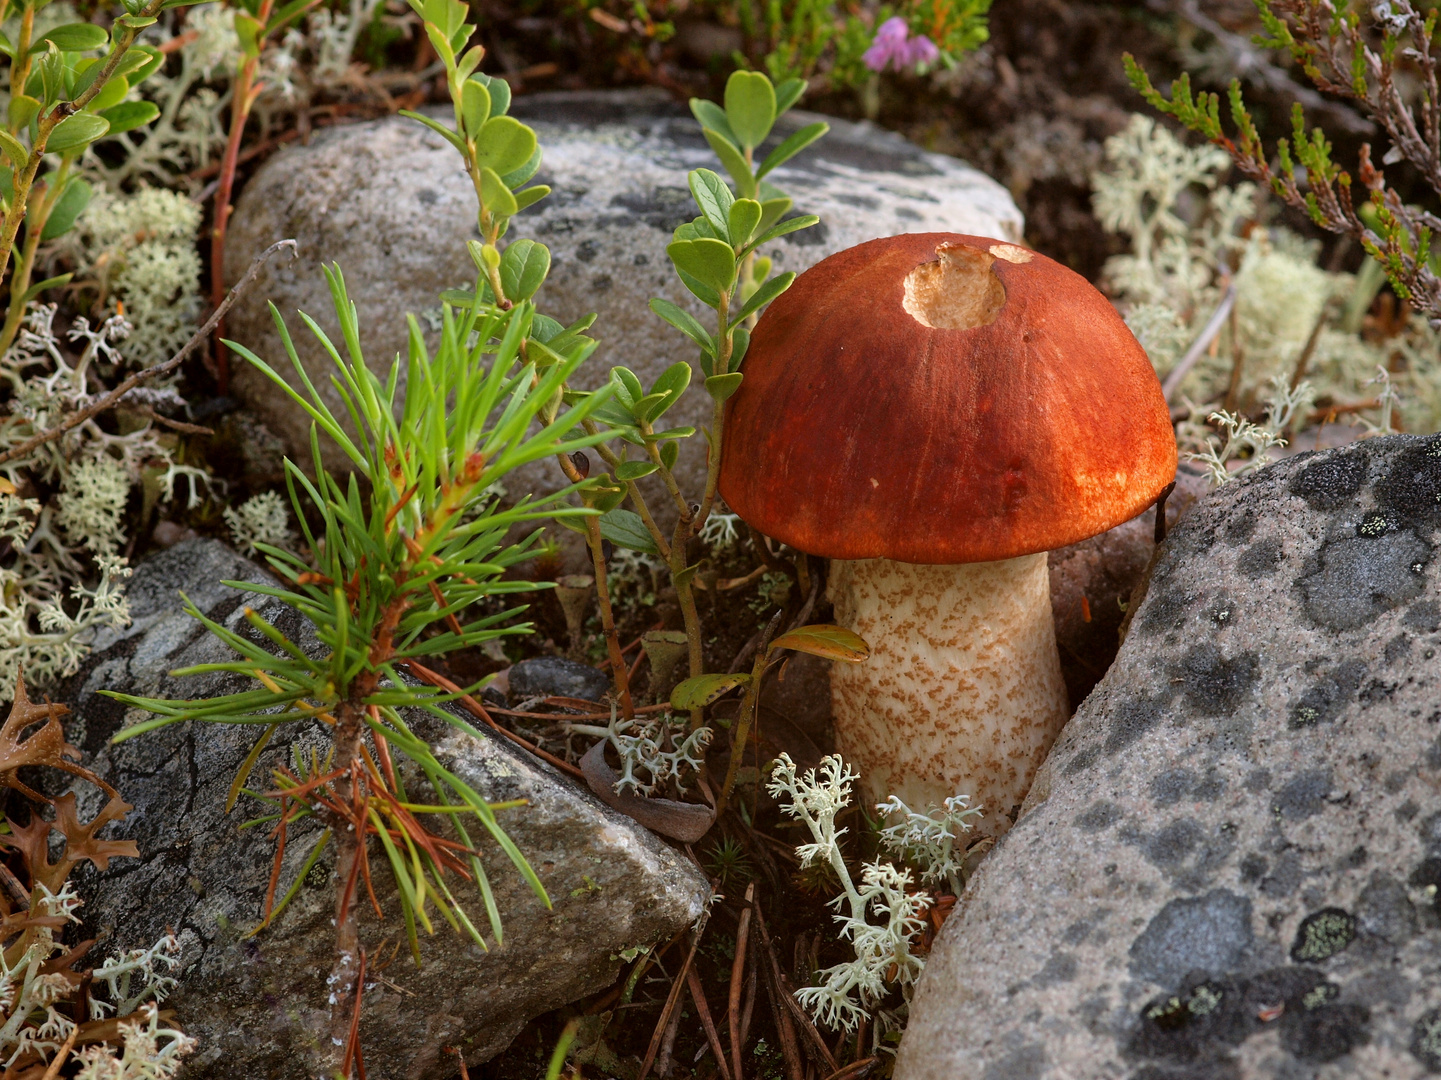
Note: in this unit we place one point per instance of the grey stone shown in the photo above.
(255, 1003)
(546, 676)
(1236, 837)
(391, 204)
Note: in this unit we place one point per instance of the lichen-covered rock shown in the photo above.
(1230, 866)
(390, 202)
(256, 1003)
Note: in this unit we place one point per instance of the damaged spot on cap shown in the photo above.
(1011, 253)
(957, 291)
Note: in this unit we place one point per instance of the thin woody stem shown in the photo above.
(110, 400)
(25, 268)
(741, 732)
(347, 737)
(689, 615)
(593, 538)
(717, 432)
(611, 458)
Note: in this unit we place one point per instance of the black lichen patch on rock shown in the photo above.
(1427, 878)
(1330, 483)
(1169, 847)
(1215, 684)
(1328, 696)
(1169, 787)
(1133, 718)
(1098, 816)
(1207, 933)
(1323, 934)
(1210, 1015)
(1304, 796)
(1411, 486)
(1424, 615)
(1426, 1040)
(1165, 608)
(1385, 911)
(1361, 577)
(1262, 558)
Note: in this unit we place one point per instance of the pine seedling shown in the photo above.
(395, 565)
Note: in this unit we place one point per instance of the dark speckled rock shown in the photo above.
(544, 676)
(1234, 850)
(255, 1004)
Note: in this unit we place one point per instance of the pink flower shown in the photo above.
(893, 47)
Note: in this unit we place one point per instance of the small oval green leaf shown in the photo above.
(129, 115)
(701, 690)
(77, 131)
(750, 101)
(504, 144)
(722, 387)
(634, 470)
(74, 37)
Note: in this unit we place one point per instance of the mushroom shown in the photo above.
(933, 413)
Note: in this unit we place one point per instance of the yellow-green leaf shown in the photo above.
(498, 198)
(474, 106)
(23, 108)
(77, 131)
(700, 691)
(750, 102)
(504, 144)
(826, 641)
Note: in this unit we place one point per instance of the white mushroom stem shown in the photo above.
(962, 694)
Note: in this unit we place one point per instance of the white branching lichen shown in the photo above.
(934, 841)
(35, 1014)
(150, 1051)
(881, 918)
(721, 531)
(61, 578)
(1248, 443)
(654, 751)
(91, 503)
(261, 519)
(140, 250)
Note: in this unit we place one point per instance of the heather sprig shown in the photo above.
(1358, 59)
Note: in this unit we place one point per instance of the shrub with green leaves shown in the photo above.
(69, 89)
(1197, 245)
(800, 39)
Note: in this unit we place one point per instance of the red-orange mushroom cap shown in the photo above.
(939, 398)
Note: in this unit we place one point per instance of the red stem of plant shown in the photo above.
(240, 101)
